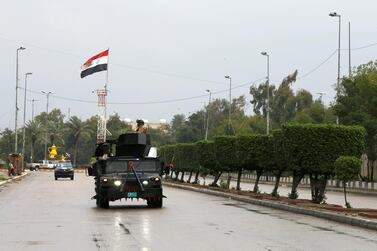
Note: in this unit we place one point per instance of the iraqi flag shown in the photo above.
(95, 64)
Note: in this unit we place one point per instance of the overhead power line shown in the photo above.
(318, 66)
(147, 102)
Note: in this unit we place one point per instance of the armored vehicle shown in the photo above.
(127, 168)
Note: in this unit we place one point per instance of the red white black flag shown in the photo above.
(95, 64)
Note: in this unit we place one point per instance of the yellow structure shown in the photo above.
(53, 151)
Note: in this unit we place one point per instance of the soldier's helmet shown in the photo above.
(139, 122)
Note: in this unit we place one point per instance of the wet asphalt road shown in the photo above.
(39, 213)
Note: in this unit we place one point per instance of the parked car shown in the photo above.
(41, 164)
(64, 170)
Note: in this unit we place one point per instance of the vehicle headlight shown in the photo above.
(117, 183)
(105, 180)
(145, 183)
(157, 179)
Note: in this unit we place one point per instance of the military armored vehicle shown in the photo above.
(127, 168)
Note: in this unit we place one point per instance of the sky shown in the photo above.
(164, 50)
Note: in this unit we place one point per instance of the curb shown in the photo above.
(350, 220)
(13, 179)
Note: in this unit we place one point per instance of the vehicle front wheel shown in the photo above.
(155, 203)
(102, 203)
(56, 178)
(72, 178)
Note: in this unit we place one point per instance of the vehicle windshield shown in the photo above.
(64, 165)
(139, 166)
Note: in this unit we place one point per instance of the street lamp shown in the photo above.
(334, 14)
(16, 115)
(230, 97)
(32, 107)
(47, 97)
(209, 103)
(24, 131)
(268, 90)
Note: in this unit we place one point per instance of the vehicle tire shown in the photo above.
(72, 178)
(102, 202)
(36, 167)
(155, 203)
(56, 178)
(158, 203)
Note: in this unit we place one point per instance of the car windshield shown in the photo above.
(140, 166)
(64, 165)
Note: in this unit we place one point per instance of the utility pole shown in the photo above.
(16, 115)
(268, 90)
(24, 128)
(46, 128)
(349, 51)
(207, 122)
(32, 109)
(230, 99)
(334, 14)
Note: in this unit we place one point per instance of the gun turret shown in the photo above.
(133, 144)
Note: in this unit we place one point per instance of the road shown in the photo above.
(39, 213)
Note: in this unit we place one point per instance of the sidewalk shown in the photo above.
(12, 178)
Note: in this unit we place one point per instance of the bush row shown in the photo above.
(299, 149)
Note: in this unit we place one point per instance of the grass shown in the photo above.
(2, 178)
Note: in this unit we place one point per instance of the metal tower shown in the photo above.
(101, 123)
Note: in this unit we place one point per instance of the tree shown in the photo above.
(226, 154)
(205, 151)
(283, 102)
(356, 104)
(347, 168)
(34, 131)
(317, 113)
(279, 159)
(116, 126)
(257, 152)
(78, 130)
(312, 149)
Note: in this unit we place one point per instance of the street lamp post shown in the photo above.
(24, 128)
(268, 90)
(32, 108)
(334, 14)
(47, 97)
(209, 103)
(16, 115)
(230, 99)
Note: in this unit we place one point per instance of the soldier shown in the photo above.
(140, 128)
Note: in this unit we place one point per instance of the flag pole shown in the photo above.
(107, 81)
(107, 70)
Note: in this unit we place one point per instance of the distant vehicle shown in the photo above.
(64, 170)
(41, 164)
(132, 171)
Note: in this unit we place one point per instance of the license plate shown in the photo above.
(131, 194)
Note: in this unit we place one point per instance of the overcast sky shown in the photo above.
(164, 49)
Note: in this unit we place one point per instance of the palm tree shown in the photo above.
(33, 130)
(77, 129)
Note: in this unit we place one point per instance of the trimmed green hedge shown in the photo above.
(304, 149)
